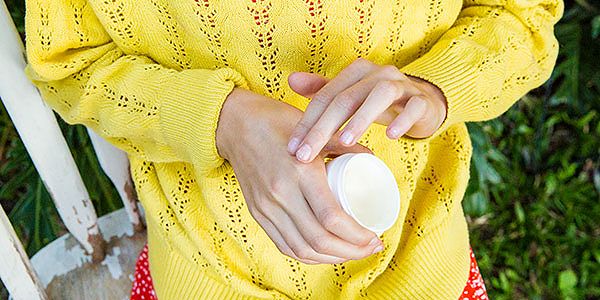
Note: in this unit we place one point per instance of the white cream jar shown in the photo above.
(366, 189)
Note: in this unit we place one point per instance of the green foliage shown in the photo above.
(533, 201)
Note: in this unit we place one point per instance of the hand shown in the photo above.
(372, 93)
(290, 200)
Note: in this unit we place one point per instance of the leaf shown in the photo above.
(596, 27)
(476, 204)
(485, 171)
(504, 284)
(520, 212)
(597, 255)
(567, 280)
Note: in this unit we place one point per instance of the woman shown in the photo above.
(231, 171)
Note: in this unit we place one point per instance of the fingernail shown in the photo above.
(346, 138)
(394, 132)
(374, 241)
(379, 248)
(293, 144)
(303, 153)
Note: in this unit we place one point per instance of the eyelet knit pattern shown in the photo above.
(151, 76)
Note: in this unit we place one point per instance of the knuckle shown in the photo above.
(286, 251)
(389, 86)
(320, 243)
(343, 102)
(265, 207)
(321, 99)
(392, 71)
(361, 62)
(288, 254)
(277, 187)
(330, 218)
(303, 253)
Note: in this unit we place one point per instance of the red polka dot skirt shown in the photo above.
(475, 288)
(142, 282)
(143, 289)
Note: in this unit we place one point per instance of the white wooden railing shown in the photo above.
(36, 124)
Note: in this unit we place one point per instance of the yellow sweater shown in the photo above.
(150, 76)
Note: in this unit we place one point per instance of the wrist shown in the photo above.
(229, 119)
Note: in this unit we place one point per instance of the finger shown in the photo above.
(341, 108)
(413, 111)
(331, 214)
(306, 84)
(347, 77)
(339, 150)
(385, 93)
(320, 239)
(293, 237)
(389, 114)
(334, 148)
(275, 236)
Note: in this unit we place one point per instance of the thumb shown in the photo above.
(305, 83)
(335, 148)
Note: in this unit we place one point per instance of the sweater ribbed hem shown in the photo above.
(191, 109)
(425, 281)
(184, 282)
(175, 278)
(451, 70)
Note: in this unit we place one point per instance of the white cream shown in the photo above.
(366, 189)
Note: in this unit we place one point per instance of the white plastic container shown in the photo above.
(366, 189)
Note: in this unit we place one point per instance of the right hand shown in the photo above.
(290, 200)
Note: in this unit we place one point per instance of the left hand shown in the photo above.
(372, 93)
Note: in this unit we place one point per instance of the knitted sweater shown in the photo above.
(150, 76)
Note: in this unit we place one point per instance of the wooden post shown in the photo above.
(36, 124)
(15, 269)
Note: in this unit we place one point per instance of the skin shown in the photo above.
(363, 93)
(288, 195)
(290, 200)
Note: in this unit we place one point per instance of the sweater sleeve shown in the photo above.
(138, 105)
(494, 54)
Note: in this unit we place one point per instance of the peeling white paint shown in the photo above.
(115, 224)
(58, 259)
(112, 263)
(62, 256)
